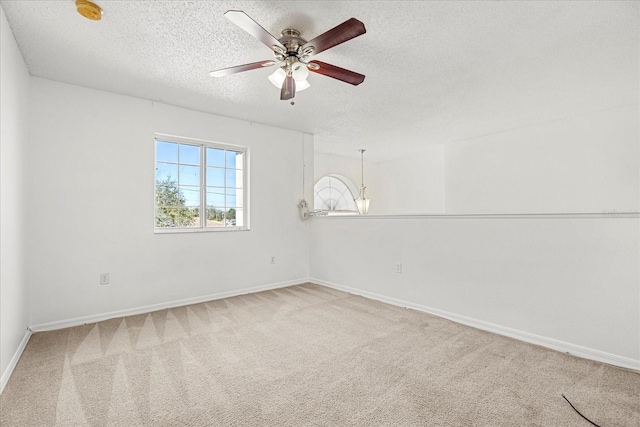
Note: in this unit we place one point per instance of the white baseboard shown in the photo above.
(564, 347)
(67, 323)
(14, 361)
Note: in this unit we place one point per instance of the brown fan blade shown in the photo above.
(245, 22)
(288, 88)
(338, 73)
(241, 68)
(346, 31)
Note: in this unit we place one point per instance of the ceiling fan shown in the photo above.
(292, 54)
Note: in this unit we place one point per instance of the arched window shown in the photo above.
(334, 195)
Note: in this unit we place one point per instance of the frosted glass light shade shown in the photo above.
(363, 206)
(362, 202)
(300, 72)
(277, 78)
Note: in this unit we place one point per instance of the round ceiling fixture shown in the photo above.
(89, 10)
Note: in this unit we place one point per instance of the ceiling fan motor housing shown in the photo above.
(291, 39)
(293, 43)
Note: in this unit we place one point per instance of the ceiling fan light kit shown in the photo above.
(292, 54)
(278, 76)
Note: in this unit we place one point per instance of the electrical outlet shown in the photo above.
(104, 278)
(273, 259)
(398, 267)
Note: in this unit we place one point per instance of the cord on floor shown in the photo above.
(574, 408)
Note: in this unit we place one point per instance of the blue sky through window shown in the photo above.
(166, 152)
(215, 157)
(189, 175)
(189, 154)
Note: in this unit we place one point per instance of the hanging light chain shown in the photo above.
(362, 150)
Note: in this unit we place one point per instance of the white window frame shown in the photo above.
(203, 144)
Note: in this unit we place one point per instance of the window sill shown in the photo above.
(198, 230)
(612, 215)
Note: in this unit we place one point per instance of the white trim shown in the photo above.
(165, 137)
(564, 347)
(77, 321)
(14, 360)
(178, 230)
(609, 215)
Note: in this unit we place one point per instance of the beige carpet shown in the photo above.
(305, 356)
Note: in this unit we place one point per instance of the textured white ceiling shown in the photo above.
(436, 72)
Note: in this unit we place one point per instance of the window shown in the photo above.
(199, 186)
(334, 195)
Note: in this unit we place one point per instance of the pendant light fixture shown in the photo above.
(362, 201)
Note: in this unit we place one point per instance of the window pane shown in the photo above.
(215, 197)
(190, 196)
(167, 217)
(234, 159)
(231, 177)
(215, 217)
(187, 217)
(215, 177)
(190, 217)
(215, 157)
(167, 151)
(190, 154)
(239, 198)
(177, 217)
(231, 197)
(189, 175)
(238, 178)
(231, 217)
(168, 196)
(239, 217)
(166, 173)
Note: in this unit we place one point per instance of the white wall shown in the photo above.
(587, 163)
(413, 184)
(583, 164)
(14, 115)
(572, 283)
(90, 204)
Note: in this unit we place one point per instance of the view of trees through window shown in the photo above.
(172, 212)
(192, 179)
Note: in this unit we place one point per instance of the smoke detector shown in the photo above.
(89, 10)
